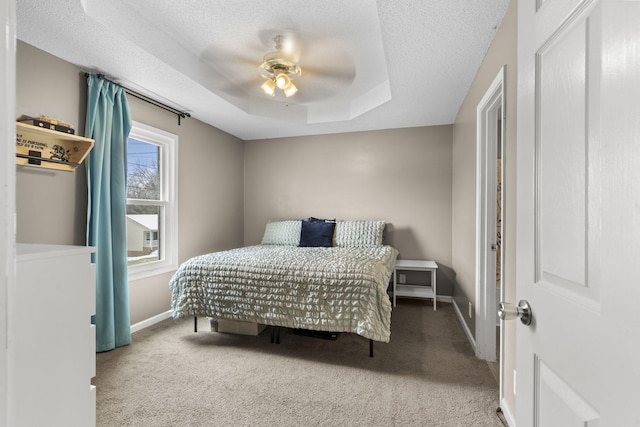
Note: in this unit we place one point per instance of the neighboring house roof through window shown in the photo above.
(150, 222)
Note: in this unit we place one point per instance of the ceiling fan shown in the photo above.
(329, 68)
(279, 68)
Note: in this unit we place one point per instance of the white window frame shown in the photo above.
(168, 223)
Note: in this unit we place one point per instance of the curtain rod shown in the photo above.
(145, 98)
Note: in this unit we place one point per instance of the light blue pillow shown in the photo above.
(358, 234)
(283, 233)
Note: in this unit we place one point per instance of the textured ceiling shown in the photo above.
(365, 65)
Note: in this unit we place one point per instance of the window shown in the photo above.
(152, 211)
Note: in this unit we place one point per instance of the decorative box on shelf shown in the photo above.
(48, 123)
(41, 147)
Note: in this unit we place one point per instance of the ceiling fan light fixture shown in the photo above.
(283, 81)
(291, 90)
(269, 87)
(279, 68)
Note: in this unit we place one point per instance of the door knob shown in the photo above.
(508, 311)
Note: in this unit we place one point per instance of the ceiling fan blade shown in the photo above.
(231, 63)
(242, 88)
(344, 76)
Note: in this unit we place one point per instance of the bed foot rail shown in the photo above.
(195, 323)
(370, 348)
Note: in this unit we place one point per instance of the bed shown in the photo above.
(310, 274)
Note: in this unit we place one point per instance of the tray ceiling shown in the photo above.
(365, 65)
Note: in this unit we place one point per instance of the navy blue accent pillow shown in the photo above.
(314, 219)
(317, 233)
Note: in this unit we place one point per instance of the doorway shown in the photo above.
(490, 223)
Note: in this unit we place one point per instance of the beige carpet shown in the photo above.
(426, 376)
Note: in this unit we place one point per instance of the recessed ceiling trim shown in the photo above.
(205, 57)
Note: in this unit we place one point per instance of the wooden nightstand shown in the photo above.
(415, 291)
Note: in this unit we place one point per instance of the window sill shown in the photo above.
(142, 272)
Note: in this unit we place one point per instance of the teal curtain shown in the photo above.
(108, 123)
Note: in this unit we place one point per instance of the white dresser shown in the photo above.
(51, 340)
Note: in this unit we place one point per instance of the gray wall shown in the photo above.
(51, 205)
(402, 176)
(502, 52)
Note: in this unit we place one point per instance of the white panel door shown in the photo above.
(578, 241)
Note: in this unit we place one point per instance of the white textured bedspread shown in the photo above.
(327, 289)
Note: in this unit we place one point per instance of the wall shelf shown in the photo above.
(45, 148)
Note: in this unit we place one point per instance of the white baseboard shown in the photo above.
(507, 413)
(150, 321)
(465, 328)
(444, 298)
